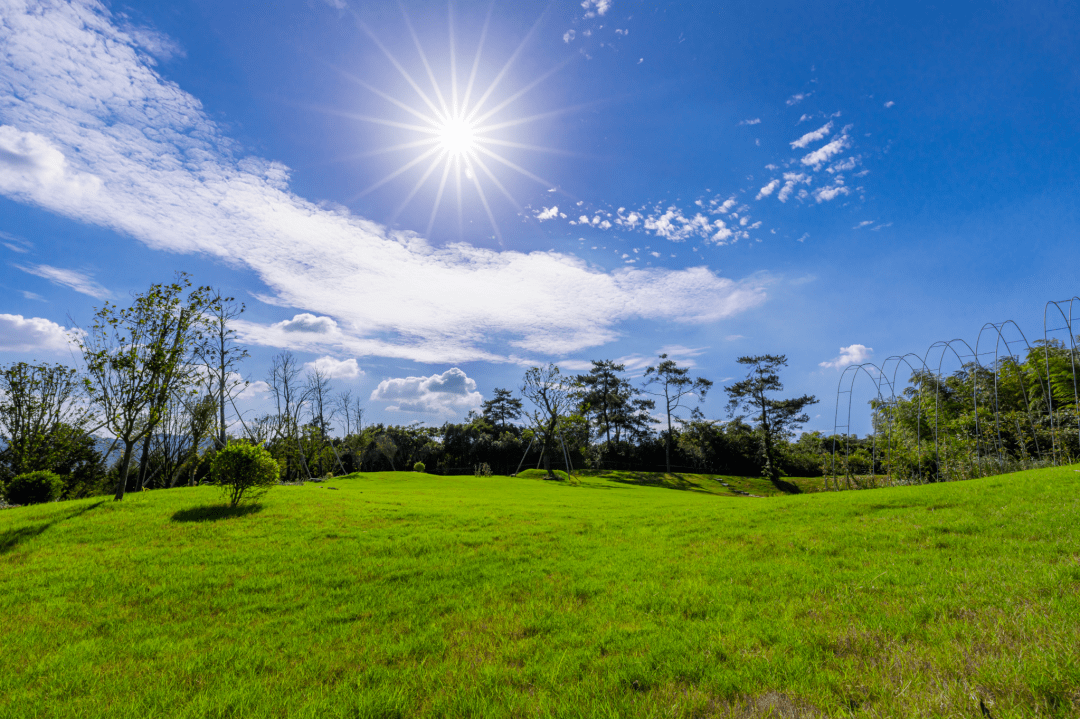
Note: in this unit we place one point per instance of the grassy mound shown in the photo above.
(404, 594)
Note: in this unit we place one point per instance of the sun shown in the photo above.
(457, 137)
(454, 131)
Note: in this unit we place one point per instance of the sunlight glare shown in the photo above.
(457, 137)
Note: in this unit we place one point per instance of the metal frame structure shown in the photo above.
(1070, 321)
(880, 378)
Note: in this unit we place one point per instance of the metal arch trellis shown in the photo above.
(854, 370)
(895, 403)
(999, 328)
(1069, 325)
(948, 345)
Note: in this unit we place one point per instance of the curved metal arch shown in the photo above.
(854, 370)
(948, 344)
(919, 412)
(1072, 357)
(999, 328)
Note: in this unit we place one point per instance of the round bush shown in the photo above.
(419, 467)
(34, 488)
(244, 472)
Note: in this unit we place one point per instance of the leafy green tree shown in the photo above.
(136, 356)
(777, 418)
(43, 414)
(244, 472)
(673, 385)
(502, 408)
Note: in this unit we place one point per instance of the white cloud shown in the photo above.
(158, 44)
(568, 35)
(548, 213)
(118, 146)
(252, 390)
(78, 281)
(449, 393)
(755, 121)
(890, 103)
(862, 224)
(32, 169)
(31, 334)
(842, 166)
(732, 338)
(768, 189)
(336, 369)
(821, 155)
(813, 136)
(598, 7)
(796, 99)
(790, 180)
(32, 295)
(853, 354)
(830, 192)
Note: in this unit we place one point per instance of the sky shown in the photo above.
(425, 199)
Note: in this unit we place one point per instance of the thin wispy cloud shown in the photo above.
(124, 149)
(78, 281)
(813, 136)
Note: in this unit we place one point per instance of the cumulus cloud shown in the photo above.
(791, 179)
(78, 281)
(449, 393)
(853, 354)
(252, 390)
(831, 192)
(768, 189)
(336, 369)
(813, 136)
(116, 145)
(34, 334)
(568, 35)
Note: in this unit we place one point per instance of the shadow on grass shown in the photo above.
(210, 514)
(14, 537)
(665, 481)
(787, 487)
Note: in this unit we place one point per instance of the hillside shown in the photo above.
(397, 594)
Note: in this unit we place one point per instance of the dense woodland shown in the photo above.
(159, 379)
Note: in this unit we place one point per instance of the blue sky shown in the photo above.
(835, 183)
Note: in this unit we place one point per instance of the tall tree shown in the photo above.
(602, 392)
(291, 397)
(502, 408)
(137, 355)
(222, 356)
(777, 418)
(673, 385)
(551, 395)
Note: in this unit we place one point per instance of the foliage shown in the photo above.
(551, 396)
(502, 408)
(34, 488)
(673, 384)
(776, 418)
(244, 472)
(138, 356)
(482, 470)
(419, 467)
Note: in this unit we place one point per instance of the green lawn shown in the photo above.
(406, 595)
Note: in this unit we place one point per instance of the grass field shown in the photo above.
(406, 595)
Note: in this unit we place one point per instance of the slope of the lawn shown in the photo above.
(409, 595)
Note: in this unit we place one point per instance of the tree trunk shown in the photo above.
(125, 464)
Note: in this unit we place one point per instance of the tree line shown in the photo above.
(160, 377)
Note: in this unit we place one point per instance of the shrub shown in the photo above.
(482, 470)
(419, 467)
(34, 488)
(244, 472)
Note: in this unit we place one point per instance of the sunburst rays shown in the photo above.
(454, 130)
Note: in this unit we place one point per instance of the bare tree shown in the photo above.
(321, 405)
(350, 410)
(551, 395)
(291, 398)
(222, 356)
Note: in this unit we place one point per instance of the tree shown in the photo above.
(674, 384)
(551, 395)
(221, 355)
(137, 355)
(502, 408)
(42, 413)
(290, 398)
(600, 392)
(244, 471)
(777, 418)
